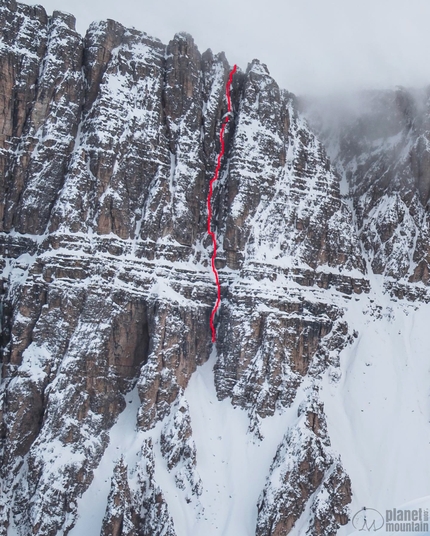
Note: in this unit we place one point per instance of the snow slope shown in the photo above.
(378, 413)
(231, 462)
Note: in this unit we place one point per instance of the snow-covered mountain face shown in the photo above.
(118, 414)
(379, 143)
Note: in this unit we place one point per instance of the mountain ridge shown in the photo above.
(107, 146)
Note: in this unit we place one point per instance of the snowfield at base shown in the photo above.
(378, 413)
(231, 462)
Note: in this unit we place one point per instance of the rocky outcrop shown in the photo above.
(179, 450)
(330, 506)
(120, 517)
(136, 505)
(39, 125)
(282, 201)
(304, 469)
(281, 342)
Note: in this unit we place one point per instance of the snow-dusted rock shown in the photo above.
(107, 146)
(135, 504)
(379, 142)
(305, 470)
(178, 448)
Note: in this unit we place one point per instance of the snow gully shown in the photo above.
(211, 183)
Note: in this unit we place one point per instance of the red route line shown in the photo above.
(211, 183)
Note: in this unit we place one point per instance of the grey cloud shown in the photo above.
(310, 46)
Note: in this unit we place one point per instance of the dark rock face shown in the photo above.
(96, 146)
(179, 450)
(279, 346)
(45, 90)
(120, 515)
(305, 467)
(107, 146)
(142, 510)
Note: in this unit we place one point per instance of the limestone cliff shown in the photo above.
(107, 146)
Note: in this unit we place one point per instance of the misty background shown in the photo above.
(312, 47)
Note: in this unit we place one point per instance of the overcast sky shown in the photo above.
(310, 46)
